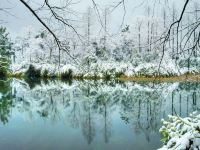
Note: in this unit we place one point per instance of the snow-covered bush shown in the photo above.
(181, 133)
(32, 72)
(67, 74)
(151, 69)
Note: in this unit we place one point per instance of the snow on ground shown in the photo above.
(102, 67)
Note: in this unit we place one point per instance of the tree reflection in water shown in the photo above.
(5, 100)
(88, 105)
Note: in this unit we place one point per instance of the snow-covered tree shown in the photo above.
(5, 51)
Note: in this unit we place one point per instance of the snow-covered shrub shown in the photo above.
(45, 74)
(32, 72)
(147, 69)
(67, 75)
(119, 74)
(107, 75)
(181, 133)
(191, 62)
(152, 69)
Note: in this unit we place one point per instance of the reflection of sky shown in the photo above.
(19, 134)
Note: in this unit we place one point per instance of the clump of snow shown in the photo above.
(66, 68)
(181, 133)
(20, 68)
(185, 70)
(153, 69)
(112, 68)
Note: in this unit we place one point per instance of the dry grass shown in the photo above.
(181, 78)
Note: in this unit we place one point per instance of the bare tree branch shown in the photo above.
(60, 47)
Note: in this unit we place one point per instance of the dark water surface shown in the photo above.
(89, 115)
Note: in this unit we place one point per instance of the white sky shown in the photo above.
(22, 18)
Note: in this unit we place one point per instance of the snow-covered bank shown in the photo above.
(52, 70)
(181, 133)
(103, 68)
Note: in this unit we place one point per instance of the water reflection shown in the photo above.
(89, 114)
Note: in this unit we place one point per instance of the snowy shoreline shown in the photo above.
(106, 70)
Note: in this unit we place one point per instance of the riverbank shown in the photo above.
(69, 73)
(106, 71)
(184, 77)
(181, 78)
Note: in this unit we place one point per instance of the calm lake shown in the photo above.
(89, 115)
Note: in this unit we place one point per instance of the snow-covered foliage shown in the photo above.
(136, 49)
(5, 51)
(181, 133)
(39, 50)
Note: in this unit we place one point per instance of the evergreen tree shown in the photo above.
(5, 52)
